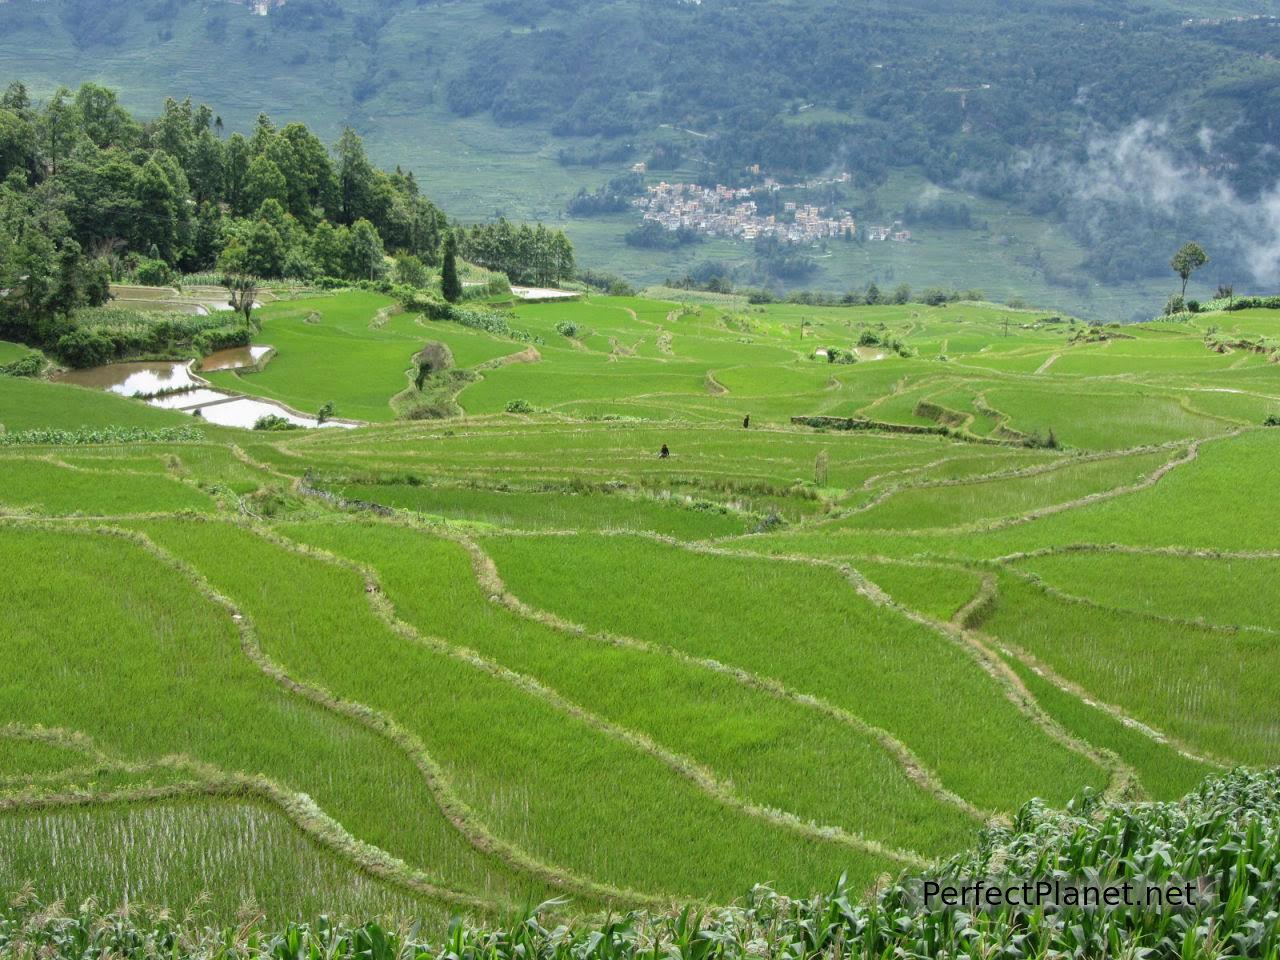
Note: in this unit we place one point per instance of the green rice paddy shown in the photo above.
(440, 667)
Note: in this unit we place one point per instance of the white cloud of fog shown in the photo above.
(1135, 168)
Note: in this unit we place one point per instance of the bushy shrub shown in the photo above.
(85, 348)
(430, 410)
(1254, 303)
(32, 365)
(272, 421)
(154, 273)
(222, 338)
(567, 329)
(1273, 420)
(519, 406)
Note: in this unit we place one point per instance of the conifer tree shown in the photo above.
(450, 284)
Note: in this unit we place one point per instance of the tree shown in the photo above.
(241, 284)
(902, 294)
(355, 178)
(435, 357)
(263, 181)
(366, 258)
(329, 249)
(450, 284)
(873, 294)
(1189, 258)
(58, 128)
(17, 143)
(410, 270)
(259, 251)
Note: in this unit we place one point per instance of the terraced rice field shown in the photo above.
(428, 668)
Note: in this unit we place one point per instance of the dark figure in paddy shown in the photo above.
(664, 452)
(746, 422)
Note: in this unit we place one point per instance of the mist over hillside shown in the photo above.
(1057, 150)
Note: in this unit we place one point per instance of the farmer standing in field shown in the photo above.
(664, 453)
(746, 422)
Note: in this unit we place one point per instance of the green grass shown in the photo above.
(1189, 682)
(138, 634)
(39, 486)
(559, 510)
(342, 356)
(780, 754)
(247, 855)
(1230, 592)
(9, 352)
(26, 403)
(838, 645)
(1162, 771)
(963, 503)
(506, 749)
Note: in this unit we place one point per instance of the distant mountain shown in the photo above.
(1123, 126)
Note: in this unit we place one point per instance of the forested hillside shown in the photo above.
(1082, 138)
(90, 196)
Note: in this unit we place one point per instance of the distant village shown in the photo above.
(732, 212)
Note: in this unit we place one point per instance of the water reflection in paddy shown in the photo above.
(146, 377)
(245, 412)
(233, 358)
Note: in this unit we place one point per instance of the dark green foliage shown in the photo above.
(272, 423)
(652, 235)
(490, 321)
(450, 283)
(32, 365)
(81, 175)
(533, 255)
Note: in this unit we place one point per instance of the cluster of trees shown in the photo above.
(651, 235)
(89, 194)
(532, 255)
(612, 197)
(174, 190)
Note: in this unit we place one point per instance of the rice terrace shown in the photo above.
(382, 586)
(463, 664)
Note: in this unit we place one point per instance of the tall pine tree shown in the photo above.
(450, 284)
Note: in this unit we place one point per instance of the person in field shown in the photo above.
(746, 422)
(664, 453)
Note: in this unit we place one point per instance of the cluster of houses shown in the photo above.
(728, 211)
(731, 212)
(895, 232)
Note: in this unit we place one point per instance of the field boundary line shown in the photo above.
(1191, 454)
(300, 809)
(697, 773)
(458, 813)
(1061, 463)
(1073, 689)
(978, 609)
(1049, 362)
(1035, 580)
(913, 768)
(1122, 777)
(1186, 553)
(457, 810)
